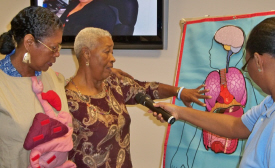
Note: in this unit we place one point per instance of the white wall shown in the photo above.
(147, 136)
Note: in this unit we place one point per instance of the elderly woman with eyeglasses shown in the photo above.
(258, 124)
(32, 46)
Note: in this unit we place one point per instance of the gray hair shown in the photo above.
(88, 37)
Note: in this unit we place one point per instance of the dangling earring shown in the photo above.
(87, 63)
(27, 58)
(259, 70)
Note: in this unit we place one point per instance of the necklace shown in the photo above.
(83, 98)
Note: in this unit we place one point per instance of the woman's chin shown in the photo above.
(45, 68)
(106, 75)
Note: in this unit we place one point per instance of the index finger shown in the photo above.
(201, 86)
(203, 91)
(203, 96)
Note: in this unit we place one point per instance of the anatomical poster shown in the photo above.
(212, 53)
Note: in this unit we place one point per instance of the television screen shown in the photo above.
(134, 24)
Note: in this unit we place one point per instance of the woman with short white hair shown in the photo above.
(97, 100)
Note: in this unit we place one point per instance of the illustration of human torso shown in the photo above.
(228, 97)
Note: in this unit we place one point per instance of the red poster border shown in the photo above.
(214, 19)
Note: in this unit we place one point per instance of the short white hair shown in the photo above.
(88, 37)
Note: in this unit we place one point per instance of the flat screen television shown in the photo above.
(134, 24)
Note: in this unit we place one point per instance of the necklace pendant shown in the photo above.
(88, 104)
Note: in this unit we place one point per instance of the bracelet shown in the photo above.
(179, 92)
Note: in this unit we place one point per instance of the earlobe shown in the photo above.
(259, 61)
(28, 41)
(87, 56)
(259, 70)
(86, 53)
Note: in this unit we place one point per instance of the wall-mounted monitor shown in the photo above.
(134, 24)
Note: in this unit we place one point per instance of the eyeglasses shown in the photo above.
(245, 65)
(54, 50)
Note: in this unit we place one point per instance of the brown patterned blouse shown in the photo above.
(102, 123)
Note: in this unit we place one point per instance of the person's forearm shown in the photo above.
(166, 91)
(220, 124)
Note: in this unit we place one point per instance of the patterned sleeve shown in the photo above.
(130, 88)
